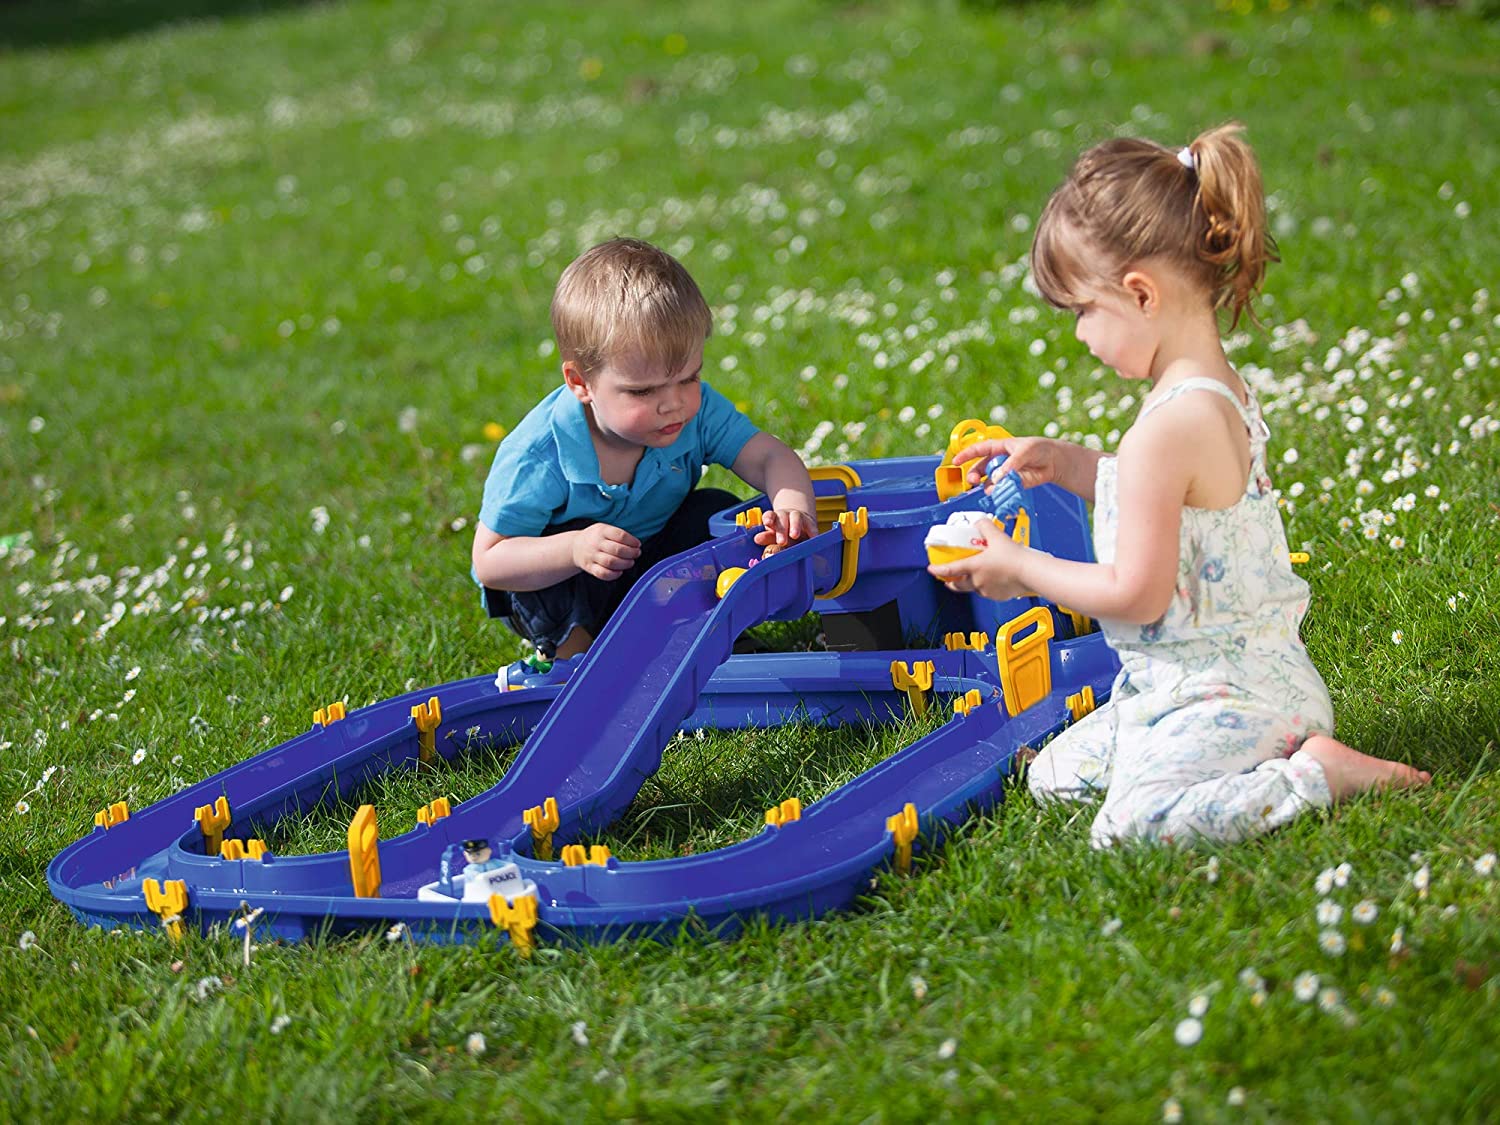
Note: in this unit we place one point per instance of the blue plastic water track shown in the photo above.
(595, 728)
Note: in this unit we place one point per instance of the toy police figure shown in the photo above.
(477, 857)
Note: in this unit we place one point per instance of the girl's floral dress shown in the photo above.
(1202, 731)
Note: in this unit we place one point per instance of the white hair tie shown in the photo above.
(1185, 158)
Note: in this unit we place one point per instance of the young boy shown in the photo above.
(597, 483)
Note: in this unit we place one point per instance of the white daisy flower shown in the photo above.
(1188, 1032)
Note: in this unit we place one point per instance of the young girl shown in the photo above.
(1218, 725)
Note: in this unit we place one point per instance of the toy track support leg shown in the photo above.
(427, 716)
(543, 820)
(364, 853)
(854, 525)
(169, 901)
(903, 829)
(914, 679)
(518, 919)
(212, 820)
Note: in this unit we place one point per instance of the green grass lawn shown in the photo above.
(271, 271)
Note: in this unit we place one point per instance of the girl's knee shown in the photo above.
(1057, 777)
(1141, 815)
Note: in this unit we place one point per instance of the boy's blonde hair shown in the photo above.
(623, 296)
(1201, 209)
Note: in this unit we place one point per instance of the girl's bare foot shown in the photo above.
(1350, 772)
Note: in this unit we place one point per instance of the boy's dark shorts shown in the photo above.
(546, 617)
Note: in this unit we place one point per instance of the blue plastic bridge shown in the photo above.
(595, 729)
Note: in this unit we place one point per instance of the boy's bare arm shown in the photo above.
(523, 562)
(769, 464)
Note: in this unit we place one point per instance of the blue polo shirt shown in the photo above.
(546, 472)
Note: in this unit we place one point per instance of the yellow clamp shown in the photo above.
(518, 919)
(1296, 557)
(575, 855)
(1025, 667)
(109, 817)
(243, 849)
(325, 716)
(1081, 621)
(430, 814)
(903, 827)
(427, 716)
(543, 820)
(1081, 703)
(974, 642)
(914, 679)
(364, 853)
(784, 813)
(854, 525)
(212, 820)
(966, 702)
(750, 518)
(168, 900)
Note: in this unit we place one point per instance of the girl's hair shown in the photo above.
(1202, 209)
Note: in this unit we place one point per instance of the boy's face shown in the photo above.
(636, 402)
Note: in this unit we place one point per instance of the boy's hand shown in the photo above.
(992, 573)
(1032, 459)
(781, 529)
(605, 551)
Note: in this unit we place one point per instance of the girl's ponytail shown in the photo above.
(1230, 217)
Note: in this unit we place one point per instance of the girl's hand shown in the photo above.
(782, 528)
(1035, 460)
(992, 573)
